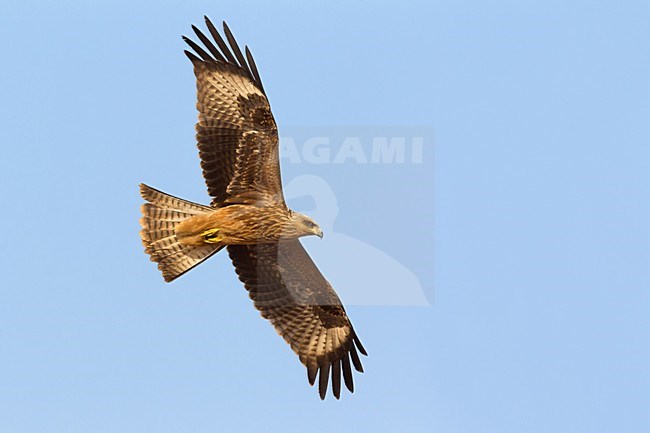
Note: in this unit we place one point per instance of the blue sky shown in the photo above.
(524, 224)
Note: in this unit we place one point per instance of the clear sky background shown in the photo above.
(527, 228)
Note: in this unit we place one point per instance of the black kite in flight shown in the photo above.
(238, 145)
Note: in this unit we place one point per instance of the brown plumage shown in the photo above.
(238, 146)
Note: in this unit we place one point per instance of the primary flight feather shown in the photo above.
(238, 145)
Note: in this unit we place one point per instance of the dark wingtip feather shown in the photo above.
(208, 44)
(312, 370)
(198, 50)
(347, 373)
(192, 57)
(336, 378)
(359, 345)
(231, 41)
(219, 40)
(235, 48)
(355, 359)
(253, 66)
(323, 379)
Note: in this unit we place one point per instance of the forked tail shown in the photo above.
(160, 215)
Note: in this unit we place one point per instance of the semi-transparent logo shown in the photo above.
(325, 169)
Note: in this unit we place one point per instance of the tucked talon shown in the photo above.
(211, 236)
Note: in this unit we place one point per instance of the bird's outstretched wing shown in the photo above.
(236, 133)
(289, 290)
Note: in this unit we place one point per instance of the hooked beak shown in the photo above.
(320, 233)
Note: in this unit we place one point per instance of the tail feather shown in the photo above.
(164, 200)
(160, 216)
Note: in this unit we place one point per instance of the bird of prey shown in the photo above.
(238, 146)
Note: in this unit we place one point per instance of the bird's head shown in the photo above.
(305, 226)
